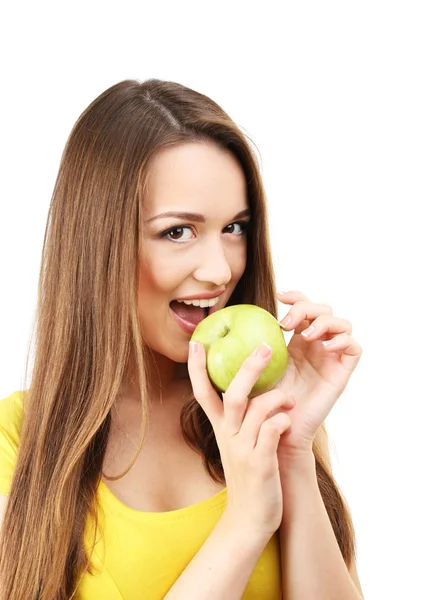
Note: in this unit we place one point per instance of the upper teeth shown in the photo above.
(201, 303)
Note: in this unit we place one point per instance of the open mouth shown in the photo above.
(188, 312)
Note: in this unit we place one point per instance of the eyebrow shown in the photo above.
(196, 217)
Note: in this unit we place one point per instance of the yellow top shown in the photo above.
(142, 553)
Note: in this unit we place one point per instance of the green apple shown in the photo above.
(231, 334)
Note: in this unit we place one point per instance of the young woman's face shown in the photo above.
(189, 255)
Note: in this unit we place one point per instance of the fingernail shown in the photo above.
(309, 331)
(286, 321)
(264, 350)
(194, 347)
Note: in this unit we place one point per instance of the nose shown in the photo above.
(213, 265)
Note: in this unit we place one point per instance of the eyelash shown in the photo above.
(164, 234)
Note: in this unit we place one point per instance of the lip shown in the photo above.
(186, 325)
(202, 296)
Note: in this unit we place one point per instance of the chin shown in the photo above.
(179, 354)
(181, 357)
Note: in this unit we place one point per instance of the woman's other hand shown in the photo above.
(247, 433)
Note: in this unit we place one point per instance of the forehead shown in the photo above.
(194, 176)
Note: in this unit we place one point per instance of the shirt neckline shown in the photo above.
(200, 508)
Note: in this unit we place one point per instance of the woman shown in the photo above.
(134, 479)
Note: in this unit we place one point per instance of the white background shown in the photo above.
(347, 103)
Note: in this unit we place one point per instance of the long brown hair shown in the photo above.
(87, 330)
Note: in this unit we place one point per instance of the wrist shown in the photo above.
(252, 536)
(297, 477)
(294, 464)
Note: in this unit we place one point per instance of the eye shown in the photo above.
(175, 233)
(243, 225)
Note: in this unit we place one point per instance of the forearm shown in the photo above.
(222, 567)
(312, 564)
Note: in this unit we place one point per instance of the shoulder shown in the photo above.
(11, 415)
(12, 405)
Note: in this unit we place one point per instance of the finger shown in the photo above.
(260, 409)
(343, 342)
(270, 433)
(327, 325)
(348, 348)
(203, 390)
(235, 398)
(303, 311)
(292, 296)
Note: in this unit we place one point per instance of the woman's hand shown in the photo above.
(316, 374)
(247, 436)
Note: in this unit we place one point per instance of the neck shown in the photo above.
(166, 378)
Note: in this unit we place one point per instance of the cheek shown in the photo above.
(155, 288)
(157, 276)
(239, 264)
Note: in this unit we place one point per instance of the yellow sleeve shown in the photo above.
(11, 410)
